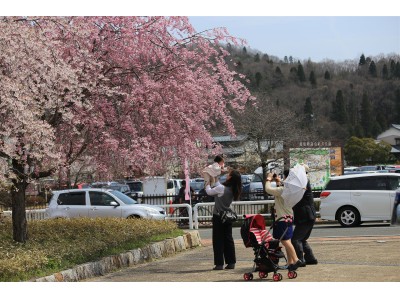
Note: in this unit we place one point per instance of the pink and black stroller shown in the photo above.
(266, 249)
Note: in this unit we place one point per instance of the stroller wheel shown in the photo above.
(277, 277)
(262, 274)
(292, 274)
(248, 276)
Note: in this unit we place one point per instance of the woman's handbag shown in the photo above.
(228, 216)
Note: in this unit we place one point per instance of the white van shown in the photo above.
(356, 198)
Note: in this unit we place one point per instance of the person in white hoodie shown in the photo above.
(211, 172)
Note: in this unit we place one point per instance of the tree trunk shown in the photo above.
(20, 229)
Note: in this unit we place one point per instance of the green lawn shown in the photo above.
(58, 244)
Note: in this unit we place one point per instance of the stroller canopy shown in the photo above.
(250, 223)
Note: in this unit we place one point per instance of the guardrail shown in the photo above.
(31, 214)
(201, 211)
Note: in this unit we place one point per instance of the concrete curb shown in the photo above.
(112, 263)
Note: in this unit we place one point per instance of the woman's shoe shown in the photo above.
(293, 267)
(312, 262)
(302, 264)
(230, 266)
(218, 267)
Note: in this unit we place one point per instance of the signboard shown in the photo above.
(317, 159)
(336, 161)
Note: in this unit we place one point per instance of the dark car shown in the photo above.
(123, 188)
(197, 185)
(136, 187)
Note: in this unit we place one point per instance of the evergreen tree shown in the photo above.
(308, 113)
(300, 73)
(229, 47)
(277, 78)
(258, 78)
(285, 59)
(257, 57)
(381, 120)
(372, 69)
(293, 74)
(313, 79)
(290, 59)
(376, 129)
(340, 106)
(385, 72)
(352, 110)
(392, 68)
(244, 51)
(397, 106)
(366, 116)
(239, 67)
(362, 60)
(327, 75)
(397, 72)
(265, 57)
(358, 131)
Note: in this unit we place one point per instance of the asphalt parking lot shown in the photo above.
(363, 259)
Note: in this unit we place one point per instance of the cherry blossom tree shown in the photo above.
(140, 90)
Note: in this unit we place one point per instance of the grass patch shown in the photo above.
(58, 244)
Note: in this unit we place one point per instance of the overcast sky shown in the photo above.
(317, 38)
(280, 28)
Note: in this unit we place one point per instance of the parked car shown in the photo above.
(393, 168)
(256, 191)
(246, 179)
(176, 185)
(95, 203)
(197, 185)
(113, 185)
(136, 187)
(353, 199)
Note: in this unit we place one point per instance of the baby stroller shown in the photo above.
(266, 249)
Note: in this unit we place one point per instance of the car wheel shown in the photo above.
(133, 217)
(349, 216)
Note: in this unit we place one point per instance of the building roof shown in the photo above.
(390, 135)
(397, 126)
(228, 138)
(395, 149)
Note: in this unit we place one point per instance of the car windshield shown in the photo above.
(124, 198)
(245, 179)
(136, 186)
(367, 168)
(256, 178)
(197, 185)
(121, 188)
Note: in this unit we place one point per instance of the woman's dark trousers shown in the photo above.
(223, 244)
(299, 240)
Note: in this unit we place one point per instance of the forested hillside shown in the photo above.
(358, 97)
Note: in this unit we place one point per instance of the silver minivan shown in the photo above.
(353, 199)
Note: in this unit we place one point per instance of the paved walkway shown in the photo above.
(366, 259)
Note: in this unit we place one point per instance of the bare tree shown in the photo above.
(269, 127)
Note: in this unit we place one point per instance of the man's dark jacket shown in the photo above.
(304, 210)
